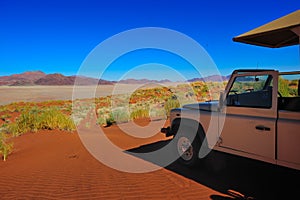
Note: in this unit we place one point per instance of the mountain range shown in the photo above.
(212, 78)
(41, 78)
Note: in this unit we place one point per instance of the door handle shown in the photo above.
(262, 128)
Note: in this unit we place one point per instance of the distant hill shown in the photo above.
(142, 81)
(213, 78)
(40, 78)
(59, 79)
(55, 79)
(26, 78)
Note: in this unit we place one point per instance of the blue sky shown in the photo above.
(56, 36)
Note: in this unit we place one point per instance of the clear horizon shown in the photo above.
(57, 36)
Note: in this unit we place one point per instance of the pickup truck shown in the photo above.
(257, 116)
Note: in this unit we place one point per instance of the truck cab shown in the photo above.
(257, 116)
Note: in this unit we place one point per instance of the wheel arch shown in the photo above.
(191, 123)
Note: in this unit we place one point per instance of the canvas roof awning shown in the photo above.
(284, 31)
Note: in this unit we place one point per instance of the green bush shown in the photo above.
(5, 147)
(170, 104)
(38, 119)
(139, 113)
(54, 119)
(27, 121)
(157, 112)
(120, 115)
(101, 120)
(110, 120)
(283, 87)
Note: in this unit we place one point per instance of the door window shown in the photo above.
(251, 91)
(289, 92)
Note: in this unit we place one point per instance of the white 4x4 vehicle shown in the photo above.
(258, 116)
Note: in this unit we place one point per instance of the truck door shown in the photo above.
(250, 122)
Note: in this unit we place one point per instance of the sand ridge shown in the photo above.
(55, 165)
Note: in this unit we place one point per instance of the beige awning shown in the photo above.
(284, 31)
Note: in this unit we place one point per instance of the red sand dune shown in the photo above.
(55, 165)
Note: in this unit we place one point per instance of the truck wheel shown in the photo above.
(188, 149)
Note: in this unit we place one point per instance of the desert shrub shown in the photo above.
(170, 104)
(120, 114)
(293, 92)
(104, 116)
(24, 123)
(139, 113)
(5, 117)
(157, 112)
(153, 102)
(103, 113)
(101, 120)
(81, 109)
(5, 147)
(110, 120)
(37, 119)
(283, 87)
(55, 119)
(106, 120)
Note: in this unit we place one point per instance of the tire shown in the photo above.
(187, 147)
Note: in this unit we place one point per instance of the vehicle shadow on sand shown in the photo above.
(234, 176)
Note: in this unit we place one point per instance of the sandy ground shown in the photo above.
(55, 165)
(11, 94)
